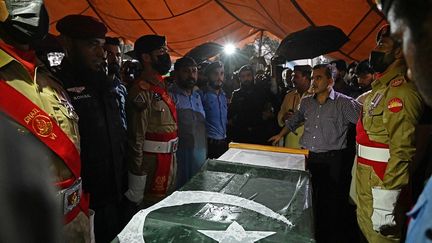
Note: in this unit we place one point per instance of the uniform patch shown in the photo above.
(397, 82)
(157, 97)
(143, 85)
(395, 105)
(77, 90)
(140, 103)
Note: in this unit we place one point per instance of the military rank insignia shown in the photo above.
(157, 97)
(374, 103)
(139, 102)
(395, 105)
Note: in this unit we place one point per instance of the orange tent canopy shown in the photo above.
(188, 23)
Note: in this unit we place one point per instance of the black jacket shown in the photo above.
(103, 138)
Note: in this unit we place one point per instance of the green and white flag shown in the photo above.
(230, 203)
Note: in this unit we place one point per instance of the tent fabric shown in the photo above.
(193, 22)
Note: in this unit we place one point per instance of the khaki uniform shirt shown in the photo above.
(146, 112)
(47, 93)
(291, 102)
(390, 115)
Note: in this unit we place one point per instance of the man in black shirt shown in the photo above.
(84, 76)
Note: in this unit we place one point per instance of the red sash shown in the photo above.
(159, 184)
(165, 97)
(38, 122)
(363, 139)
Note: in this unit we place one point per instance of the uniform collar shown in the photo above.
(9, 53)
(210, 89)
(398, 70)
(177, 89)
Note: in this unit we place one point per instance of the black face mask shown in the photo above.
(28, 21)
(187, 83)
(380, 61)
(163, 64)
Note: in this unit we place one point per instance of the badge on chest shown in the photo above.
(157, 97)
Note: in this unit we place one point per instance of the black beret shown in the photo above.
(148, 43)
(184, 62)
(303, 68)
(81, 27)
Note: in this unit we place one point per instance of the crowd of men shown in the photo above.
(116, 137)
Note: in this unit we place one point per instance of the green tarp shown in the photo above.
(229, 202)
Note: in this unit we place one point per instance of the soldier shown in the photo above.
(301, 79)
(410, 22)
(385, 135)
(38, 108)
(152, 124)
(103, 139)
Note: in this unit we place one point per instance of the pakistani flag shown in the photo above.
(230, 203)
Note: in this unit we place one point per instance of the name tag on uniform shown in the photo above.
(80, 97)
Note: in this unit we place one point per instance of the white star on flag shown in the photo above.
(235, 233)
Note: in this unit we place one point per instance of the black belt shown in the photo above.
(215, 141)
(328, 154)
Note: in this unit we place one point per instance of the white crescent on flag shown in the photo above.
(133, 232)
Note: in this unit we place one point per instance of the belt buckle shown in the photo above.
(173, 143)
(357, 150)
(72, 196)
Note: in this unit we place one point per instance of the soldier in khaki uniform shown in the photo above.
(45, 112)
(301, 80)
(386, 146)
(152, 126)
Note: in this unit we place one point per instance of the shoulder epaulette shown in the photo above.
(144, 85)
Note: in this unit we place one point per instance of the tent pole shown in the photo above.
(260, 43)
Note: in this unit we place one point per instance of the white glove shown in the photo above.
(135, 193)
(384, 202)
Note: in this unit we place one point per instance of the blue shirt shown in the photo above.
(420, 227)
(325, 125)
(216, 110)
(192, 148)
(191, 118)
